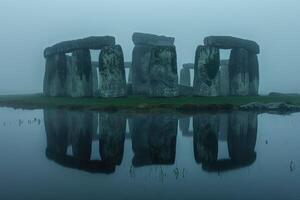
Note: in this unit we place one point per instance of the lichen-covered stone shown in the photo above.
(112, 72)
(153, 139)
(140, 69)
(80, 79)
(239, 72)
(253, 74)
(185, 77)
(94, 42)
(207, 63)
(163, 72)
(228, 42)
(55, 76)
(112, 128)
(151, 39)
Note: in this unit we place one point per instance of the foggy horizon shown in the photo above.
(28, 27)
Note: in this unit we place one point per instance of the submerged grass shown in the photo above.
(139, 102)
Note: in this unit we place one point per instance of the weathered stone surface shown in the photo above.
(223, 75)
(186, 90)
(228, 42)
(206, 127)
(55, 76)
(112, 72)
(188, 66)
(80, 78)
(140, 69)
(153, 139)
(239, 72)
(94, 42)
(163, 72)
(151, 39)
(112, 128)
(185, 77)
(253, 74)
(207, 63)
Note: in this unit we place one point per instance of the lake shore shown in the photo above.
(140, 103)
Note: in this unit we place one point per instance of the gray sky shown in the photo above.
(28, 26)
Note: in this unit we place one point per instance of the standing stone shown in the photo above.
(55, 75)
(185, 77)
(80, 72)
(238, 72)
(112, 72)
(223, 78)
(207, 63)
(253, 75)
(163, 72)
(140, 69)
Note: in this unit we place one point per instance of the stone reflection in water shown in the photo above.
(77, 130)
(240, 132)
(112, 128)
(153, 139)
(184, 126)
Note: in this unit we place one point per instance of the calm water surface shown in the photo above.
(56, 154)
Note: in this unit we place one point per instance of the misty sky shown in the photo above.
(28, 26)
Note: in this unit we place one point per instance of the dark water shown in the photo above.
(55, 154)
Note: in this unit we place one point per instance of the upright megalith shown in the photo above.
(80, 72)
(112, 72)
(207, 63)
(239, 72)
(228, 42)
(163, 72)
(141, 55)
(185, 77)
(94, 43)
(253, 74)
(95, 68)
(55, 75)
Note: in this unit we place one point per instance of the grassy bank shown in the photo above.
(139, 102)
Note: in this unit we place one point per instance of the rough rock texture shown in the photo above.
(163, 72)
(188, 66)
(112, 128)
(94, 42)
(151, 39)
(185, 77)
(277, 106)
(223, 76)
(206, 127)
(207, 63)
(55, 76)
(186, 90)
(228, 42)
(80, 78)
(112, 72)
(239, 72)
(242, 136)
(253, 74)
(140, 69)
(153, 139)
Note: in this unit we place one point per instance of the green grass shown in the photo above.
(138, 102)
